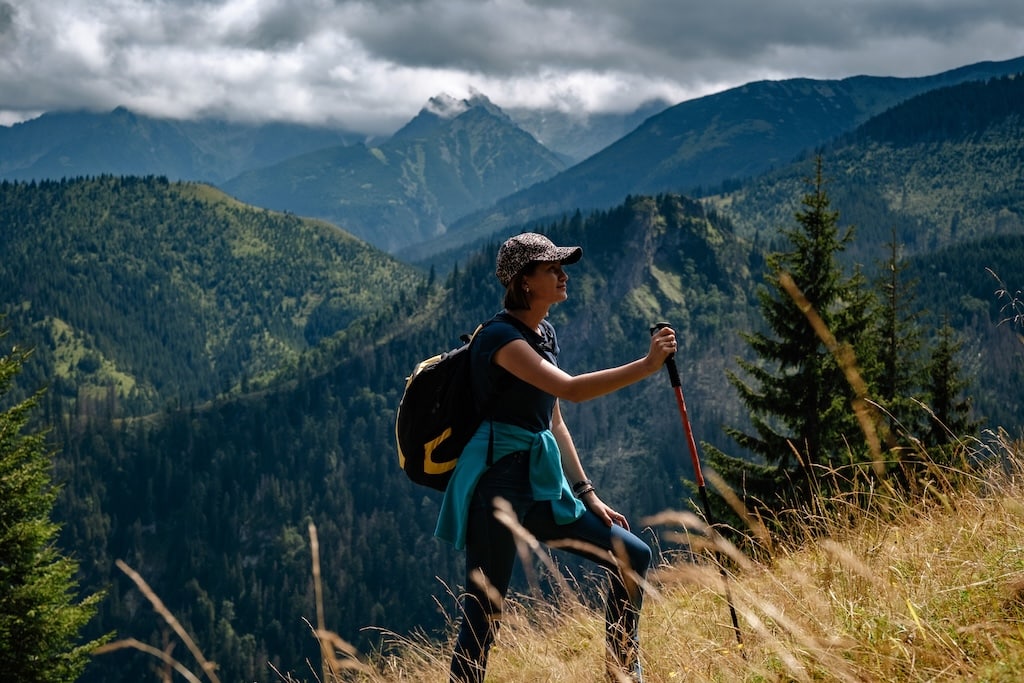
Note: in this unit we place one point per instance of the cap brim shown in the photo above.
(566, 255)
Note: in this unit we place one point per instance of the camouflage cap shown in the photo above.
(520, 250)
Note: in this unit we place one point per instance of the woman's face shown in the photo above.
(546, 284)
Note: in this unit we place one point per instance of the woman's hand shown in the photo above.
(607, 514)
(663, 345)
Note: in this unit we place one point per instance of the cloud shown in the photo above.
(371, 64)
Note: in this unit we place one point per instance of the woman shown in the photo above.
(525, 455)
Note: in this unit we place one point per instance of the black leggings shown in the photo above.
(490, 548)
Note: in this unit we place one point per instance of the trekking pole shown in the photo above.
(673, 375)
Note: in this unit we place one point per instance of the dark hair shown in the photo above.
(515, 295)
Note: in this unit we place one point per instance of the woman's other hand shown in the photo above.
(607, 514)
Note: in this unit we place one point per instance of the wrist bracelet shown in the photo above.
(585, 491)
(582, 484)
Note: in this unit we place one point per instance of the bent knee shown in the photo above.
(638, 552)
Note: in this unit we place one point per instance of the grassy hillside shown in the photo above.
(922, 589)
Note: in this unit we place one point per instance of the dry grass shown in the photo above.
(929, 589)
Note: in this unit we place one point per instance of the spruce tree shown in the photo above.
(40, 614)
(946, 388)
(899, 344)
(797, 395)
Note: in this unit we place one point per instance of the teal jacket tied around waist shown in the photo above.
(546, 477)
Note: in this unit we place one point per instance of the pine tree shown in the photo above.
(796, 392)
(40, 615)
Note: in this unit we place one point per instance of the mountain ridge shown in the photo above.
(81, 143)
(704, 142)
(411, 186)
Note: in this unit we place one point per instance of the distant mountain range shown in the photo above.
(463, 170)
(451, 159)
(454, 157)
(578, 135)
(80, 143)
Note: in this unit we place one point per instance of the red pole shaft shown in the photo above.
(677, 385)
(697, 474)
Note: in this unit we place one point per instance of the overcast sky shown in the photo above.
(371, 65)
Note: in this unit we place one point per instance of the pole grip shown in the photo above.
(670, 362)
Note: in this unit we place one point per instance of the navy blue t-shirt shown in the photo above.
(510, 399)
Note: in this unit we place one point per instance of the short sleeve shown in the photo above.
(503, 396)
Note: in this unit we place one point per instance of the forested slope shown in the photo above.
(963, 285)
(942, 168)
(136, 292)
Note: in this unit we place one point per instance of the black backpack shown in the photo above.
(437, 416)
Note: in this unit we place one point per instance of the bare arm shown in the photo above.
(522, 361)
(573, 469)
(571, 464)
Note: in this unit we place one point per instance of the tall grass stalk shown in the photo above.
(207, 667)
